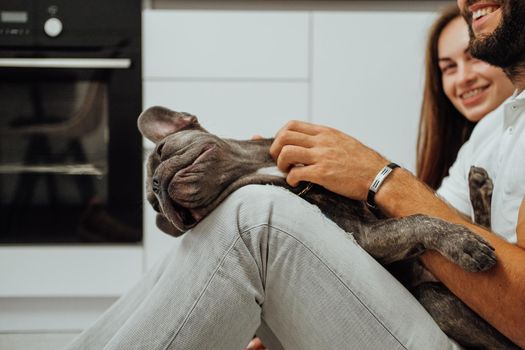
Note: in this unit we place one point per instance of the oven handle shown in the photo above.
(89, 63)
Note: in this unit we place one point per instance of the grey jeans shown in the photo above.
(266, 261)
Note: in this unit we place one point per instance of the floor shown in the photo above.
(35, 341)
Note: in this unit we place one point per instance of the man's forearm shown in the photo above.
(498, 294)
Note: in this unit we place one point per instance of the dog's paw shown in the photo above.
(479, 181)
(480, 188)
(466, 249)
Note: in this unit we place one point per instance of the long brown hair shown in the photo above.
(442, 128)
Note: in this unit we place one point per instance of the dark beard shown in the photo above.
(505, 47)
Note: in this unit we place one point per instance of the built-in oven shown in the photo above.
(70, 94)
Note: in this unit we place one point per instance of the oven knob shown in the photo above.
(53, 27)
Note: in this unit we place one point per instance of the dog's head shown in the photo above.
(190, 170)
(175, 166)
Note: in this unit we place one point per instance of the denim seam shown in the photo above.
(202, 292)
(342, 282)
(241, 233)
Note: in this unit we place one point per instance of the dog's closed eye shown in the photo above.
(156, 206)
(159, 148)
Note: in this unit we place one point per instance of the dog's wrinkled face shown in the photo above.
(168, 163)
(191, 171)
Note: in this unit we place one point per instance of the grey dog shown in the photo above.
(182, 192)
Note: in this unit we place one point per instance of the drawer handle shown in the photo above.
(68, 63)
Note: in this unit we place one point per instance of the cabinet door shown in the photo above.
(368, 77)
(225, 44)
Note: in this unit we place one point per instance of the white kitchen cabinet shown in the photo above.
(69, 271)
(66, 288)
(43, 314)
(368, 77)
(225, 44)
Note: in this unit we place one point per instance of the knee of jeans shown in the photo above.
(259, 205)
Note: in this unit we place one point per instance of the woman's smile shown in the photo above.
(474, 96)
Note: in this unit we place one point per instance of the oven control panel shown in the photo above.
(40, 24)
(18, 21)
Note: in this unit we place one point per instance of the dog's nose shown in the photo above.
(155, 185)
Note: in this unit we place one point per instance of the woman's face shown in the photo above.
(474, 87)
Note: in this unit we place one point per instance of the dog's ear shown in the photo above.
(155, 123)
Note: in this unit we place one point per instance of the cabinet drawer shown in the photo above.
(225, 44)
(69, 271)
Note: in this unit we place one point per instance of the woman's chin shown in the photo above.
(474, 116)
(474, 113)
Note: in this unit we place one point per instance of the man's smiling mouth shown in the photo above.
(484, 11)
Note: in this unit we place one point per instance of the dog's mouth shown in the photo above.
(177, 220)
(174, 219)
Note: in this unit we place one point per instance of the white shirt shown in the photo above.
(497, 144)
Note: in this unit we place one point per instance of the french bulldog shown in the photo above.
(191, 171)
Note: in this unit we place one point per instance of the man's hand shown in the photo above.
(327, 157)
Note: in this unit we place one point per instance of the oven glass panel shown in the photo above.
(54, 161)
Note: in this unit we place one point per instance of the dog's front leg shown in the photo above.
(393, 240)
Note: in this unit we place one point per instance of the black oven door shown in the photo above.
(70, 154)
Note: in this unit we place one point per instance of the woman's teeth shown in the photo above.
(471, 93)
(483, 12)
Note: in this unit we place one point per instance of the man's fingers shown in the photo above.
(255, 344)
(292, 155)
(288, 137)
(303, 127)
(301, 173)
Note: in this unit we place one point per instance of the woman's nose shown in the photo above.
(466, 74)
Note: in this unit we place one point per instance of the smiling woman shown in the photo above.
(459, 91)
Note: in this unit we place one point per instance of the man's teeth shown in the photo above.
(471, 93)
(483, 12)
